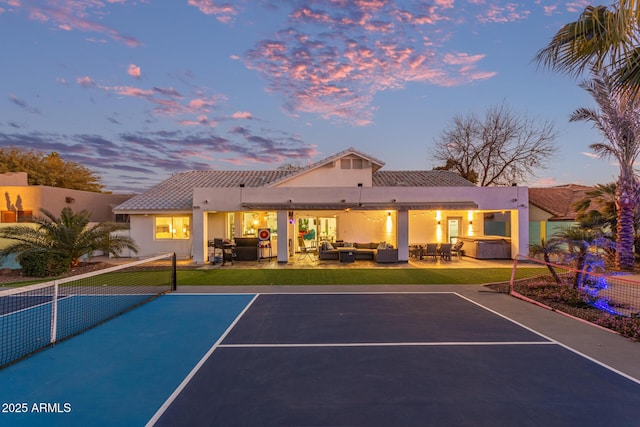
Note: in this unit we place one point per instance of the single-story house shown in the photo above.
(23, 201)
(344, 197)
(552, 209)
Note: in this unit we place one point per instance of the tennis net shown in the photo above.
(36, 316)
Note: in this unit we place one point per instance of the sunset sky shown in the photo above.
(137, 90)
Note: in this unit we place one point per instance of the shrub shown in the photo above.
(44, 264)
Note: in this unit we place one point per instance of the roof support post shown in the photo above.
(283, 236)
(402, 230)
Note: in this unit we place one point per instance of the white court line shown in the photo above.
(196, 368)
(573, 350)
(391, 344)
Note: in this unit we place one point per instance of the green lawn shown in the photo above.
(408, 276)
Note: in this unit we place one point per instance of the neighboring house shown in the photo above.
(342, 197)
(22, 202)
(552, 209)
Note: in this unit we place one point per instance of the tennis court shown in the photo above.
(340, 358)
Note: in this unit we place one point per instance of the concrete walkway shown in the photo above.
(601, 345)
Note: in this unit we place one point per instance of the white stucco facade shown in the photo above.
(344, 197)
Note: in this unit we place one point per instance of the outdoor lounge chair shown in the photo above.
(306, 251)
(431, 250)
(445, 251)
(457, 249)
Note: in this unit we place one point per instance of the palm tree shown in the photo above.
(69, 235)
(604, 214)
(618, 120)
(601, 38)
(546, 248)
(583, 246)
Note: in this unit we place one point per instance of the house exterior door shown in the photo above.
(453, 229)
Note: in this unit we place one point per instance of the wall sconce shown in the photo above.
(69, 199)
(470, 222)
(438, 222)
(388, 213)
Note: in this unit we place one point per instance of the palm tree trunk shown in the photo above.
(626, 203)
(551, 269)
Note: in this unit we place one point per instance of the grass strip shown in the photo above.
(422, 276)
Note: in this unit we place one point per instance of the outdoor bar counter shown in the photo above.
(487, 247)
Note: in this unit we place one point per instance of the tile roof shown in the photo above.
(433, 178)
(558, 201)
(176, 192)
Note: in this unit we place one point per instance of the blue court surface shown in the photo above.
(365, 359)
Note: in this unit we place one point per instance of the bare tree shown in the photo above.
(502, 148)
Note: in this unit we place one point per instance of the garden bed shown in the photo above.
(564, 298)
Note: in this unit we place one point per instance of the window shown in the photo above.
(123, 218)
(352, 163)
(254, 221)
(172, 227)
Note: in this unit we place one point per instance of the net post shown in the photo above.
(54, 313)
(174, 275)
(513, 274)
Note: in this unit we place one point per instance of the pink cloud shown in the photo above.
(133, 70)
(242, 115)
(223, 12)
(85, 81)
(200, 121)
(72, 15)
(507, 13)
(577, 6)
(130, 91)
(325, 65)
(461, 58)
(445, 4)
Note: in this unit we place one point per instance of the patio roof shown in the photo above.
(457, 205)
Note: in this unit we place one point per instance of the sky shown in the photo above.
(138, 90)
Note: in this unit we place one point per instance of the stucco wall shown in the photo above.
(55, 199)
(332, 176)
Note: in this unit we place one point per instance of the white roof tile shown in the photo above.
(175, 193)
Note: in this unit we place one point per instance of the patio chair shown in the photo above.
(445, 251)
(415, 251)
(305, 251)
(431, 250)
(457, 249)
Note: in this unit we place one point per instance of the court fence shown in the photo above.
(614, 292)
(34, 317)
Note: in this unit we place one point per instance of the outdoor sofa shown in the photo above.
(379, 252)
